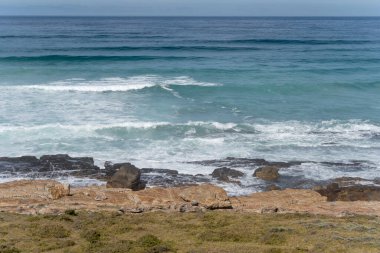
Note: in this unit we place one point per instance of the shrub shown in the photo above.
(8, 249)
(148, 241)
(92, 236)
(50, 231)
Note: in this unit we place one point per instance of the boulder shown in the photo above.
(269, 173)
(127, 176)
(206, 195)
(57, 190)
(224, 174)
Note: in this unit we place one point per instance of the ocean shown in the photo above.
(163, 92)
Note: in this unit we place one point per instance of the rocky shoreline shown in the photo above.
(226, 171)
(127, 188)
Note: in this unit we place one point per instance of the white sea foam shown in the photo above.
(114, 84)
(171, 145)
(130, 125)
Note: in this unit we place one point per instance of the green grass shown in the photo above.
(224, 231)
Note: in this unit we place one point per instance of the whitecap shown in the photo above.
(114, 84)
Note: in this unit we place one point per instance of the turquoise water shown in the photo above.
(160, 92)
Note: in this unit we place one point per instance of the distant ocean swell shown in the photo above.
(327, 133)
(178, 39)
(79, 58)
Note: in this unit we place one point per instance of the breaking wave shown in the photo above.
(288, 132)
(114, 84)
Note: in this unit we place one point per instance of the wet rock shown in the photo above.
(110, 168)
(234, 162)
(268, 173)
(224, 174)
(127, 176)
(23, 164)
(65, 162)
(169, 178)
(351, 181)
(21, 159)
(49, 166)
(272, 187)
(161, 171)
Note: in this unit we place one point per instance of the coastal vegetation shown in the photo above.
(210, 231)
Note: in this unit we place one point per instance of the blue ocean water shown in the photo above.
(160, 92)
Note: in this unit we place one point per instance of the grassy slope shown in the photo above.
(188, 232)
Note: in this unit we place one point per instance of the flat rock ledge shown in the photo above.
(50, 197)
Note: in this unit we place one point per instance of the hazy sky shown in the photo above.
(192, 7)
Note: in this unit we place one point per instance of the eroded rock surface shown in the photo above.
(37, 197)
(36, 189)
(350, 189)
(31, 197)
(302, 201)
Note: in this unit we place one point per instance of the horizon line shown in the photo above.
(199, 16)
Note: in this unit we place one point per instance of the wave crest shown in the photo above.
(114, 84)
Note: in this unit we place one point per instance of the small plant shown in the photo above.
(7, 249)
(92, 236)
(71, 212)
(148, 241)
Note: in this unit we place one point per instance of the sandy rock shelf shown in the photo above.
(51, 197)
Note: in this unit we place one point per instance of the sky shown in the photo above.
(191, 7)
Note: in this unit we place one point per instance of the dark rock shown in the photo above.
(234, 162)
(272, 187)
(194, 203)
(335, 192)
(269, 173)
(111, 168)
(49, 166)
(21, 159)
(65, 162)
(224, 174)
(169, 178)
(161, 171)
(350, 181)
(127, 176)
